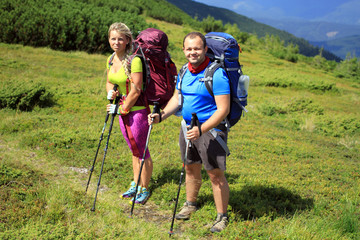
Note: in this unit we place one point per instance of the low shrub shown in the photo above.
(338, 126)
(25, 97)
(296, 105)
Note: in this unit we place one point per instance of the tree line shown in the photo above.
(83, 24)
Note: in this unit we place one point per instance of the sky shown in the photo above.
(339, 11)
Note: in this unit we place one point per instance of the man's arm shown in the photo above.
(171, 108)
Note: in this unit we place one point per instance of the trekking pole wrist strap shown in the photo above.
(122, 110)
(160, 116)
(199, 126)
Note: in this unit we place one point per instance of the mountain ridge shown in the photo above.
(314, 31)
(341, 46)
(245, 24)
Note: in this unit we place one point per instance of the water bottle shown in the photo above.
(243, 86)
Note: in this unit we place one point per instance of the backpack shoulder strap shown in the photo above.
(208, 76)
(110, 63)
(208, 80)
(181, 76)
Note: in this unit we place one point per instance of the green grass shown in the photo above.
(293, 170)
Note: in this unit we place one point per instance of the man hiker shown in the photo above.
(192, 96)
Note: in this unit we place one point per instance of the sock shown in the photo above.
(191, 203)
(221, 215)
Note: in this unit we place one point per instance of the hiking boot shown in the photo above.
(186, 211)
(129, 193)
(141, 197)
(220, 223)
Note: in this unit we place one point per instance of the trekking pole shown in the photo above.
(117, 99)
(188, 144)
(155, 110)
(101, 138)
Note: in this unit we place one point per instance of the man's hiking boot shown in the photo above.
(142, 196)
(220, 223)
(129, 193)
(186, 211)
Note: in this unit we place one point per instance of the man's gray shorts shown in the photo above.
(206, 150)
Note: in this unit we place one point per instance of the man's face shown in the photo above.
(194, 51)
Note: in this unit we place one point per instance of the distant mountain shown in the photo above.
(245, 24)
(342, 46)
(313, 31)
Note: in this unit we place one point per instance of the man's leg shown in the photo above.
(220, 188)
(193, 184)
(221, 191)
(193, 181)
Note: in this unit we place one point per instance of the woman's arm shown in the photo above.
(135, 90)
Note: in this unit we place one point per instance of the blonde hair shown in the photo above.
(122, 28)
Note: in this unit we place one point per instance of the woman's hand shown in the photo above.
(112, 94)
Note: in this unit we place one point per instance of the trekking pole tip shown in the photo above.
(171, 233)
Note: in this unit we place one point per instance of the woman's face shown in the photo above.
(118, 41)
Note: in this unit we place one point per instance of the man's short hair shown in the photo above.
(193, 35)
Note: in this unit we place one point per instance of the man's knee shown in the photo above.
(217, 176)
(193, 169)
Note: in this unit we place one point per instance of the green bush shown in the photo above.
(304, 105)
(314, 86)
(338, 126)
(25, 97)
(64, 24)
(277, 48)
(209, 24)
(297, 105)
(349, 68)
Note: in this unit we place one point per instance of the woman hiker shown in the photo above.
(132, 110)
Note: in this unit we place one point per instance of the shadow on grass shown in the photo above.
(172, 175)
(168, 175)
(249, 202)
(257, 201)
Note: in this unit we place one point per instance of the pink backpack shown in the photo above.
(159, 71)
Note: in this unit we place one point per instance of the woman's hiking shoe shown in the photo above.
(141, 197)
(186, 211)
(129, 193)
(220, 223)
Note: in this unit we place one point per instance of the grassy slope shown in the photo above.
(290, 178)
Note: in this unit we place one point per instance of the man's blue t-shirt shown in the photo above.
(197, 98)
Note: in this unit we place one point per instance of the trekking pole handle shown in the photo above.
(194, 119)
(117, 97)
(156, 109)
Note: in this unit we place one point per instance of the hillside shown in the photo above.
(342, 46)
(293, 169)
(245, 24)
(294, 166)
